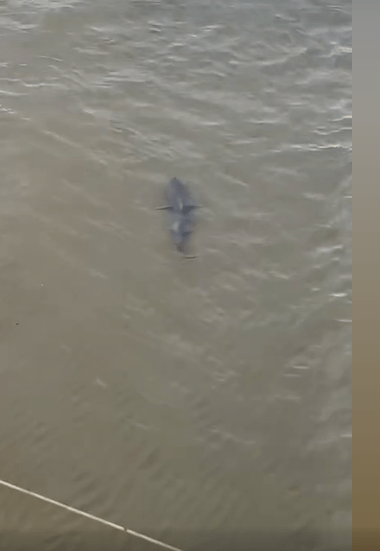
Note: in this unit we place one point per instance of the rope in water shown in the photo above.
(87, 515)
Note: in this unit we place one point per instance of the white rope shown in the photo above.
(147, 538)
(87, 515)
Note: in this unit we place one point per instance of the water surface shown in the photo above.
(188, 400)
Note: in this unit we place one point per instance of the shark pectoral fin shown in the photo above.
(166, 207)
(188, 208)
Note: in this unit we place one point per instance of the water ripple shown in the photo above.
(208, 383)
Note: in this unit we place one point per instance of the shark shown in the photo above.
(180, 206)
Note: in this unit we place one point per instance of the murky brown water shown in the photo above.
(187, 400)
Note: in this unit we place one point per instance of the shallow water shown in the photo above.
(188, 400)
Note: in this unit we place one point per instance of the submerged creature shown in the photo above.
(180, 206)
